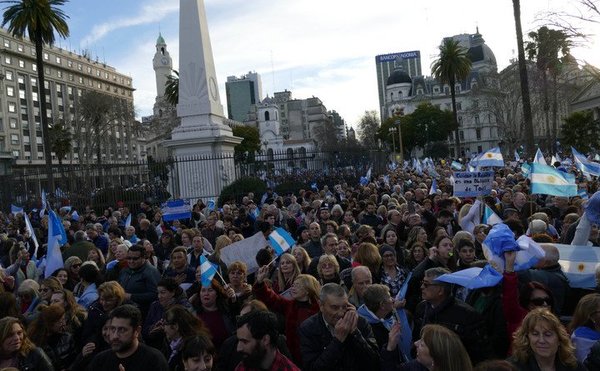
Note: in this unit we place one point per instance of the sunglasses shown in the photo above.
(538, 302)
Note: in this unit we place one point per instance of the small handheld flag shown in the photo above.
(492, 158)
(434, 187)
(207, 271)
(281, 241)
(128, 221)
(490, 217)
(539, 158)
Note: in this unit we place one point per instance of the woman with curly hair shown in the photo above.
(75, 315)
(17, 350)
(585, 325)
(542, 343)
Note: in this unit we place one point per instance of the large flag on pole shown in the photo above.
(585, 166)
(549, 181)
(56, 238)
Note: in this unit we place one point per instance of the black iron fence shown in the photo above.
(193, 177)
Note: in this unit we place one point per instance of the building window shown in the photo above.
(70, 63)
(446, 90)
(12, 107)
(16, 154)
(8, 75)
(460, 120)
(477, 119)
(20, 47)
(10, 91)
(12, 122)
(59, 73)
(461, 135)
(6, 43)
(80, 80)
(14, 139)
(436, 89)
(79, 66)
(457, 88)
(57, 59)
(34, 67)
(478, 133)
(46, 56)
(7, 60)
(458, 106)
(21, 63)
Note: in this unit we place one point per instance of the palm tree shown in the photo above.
(452, 65)
(549, 49)
(528, 122)
(172, 88)
(39, 19)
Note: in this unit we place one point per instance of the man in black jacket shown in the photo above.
(337, 338)
(441, 308)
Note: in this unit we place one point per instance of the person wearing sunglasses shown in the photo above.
(517, 303)
(139, 279)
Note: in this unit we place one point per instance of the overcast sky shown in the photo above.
(323, 48)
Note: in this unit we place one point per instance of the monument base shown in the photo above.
(203, 161)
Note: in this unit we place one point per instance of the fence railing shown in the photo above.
(107, 185)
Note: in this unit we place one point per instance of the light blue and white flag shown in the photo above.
(456, 166)
(517, 157)
(44, 204)
(176, 209)
(434, 187)
(59, 193)
(491, 158)
(526, 170)
(490, 217)
(552, 160)
(29, 228)
(583, 194)
(207, 271)
(585, 166)
(473, 278)
(128, 221)
(418, 167)
(549, 181)
(16, 209)
(368, 174)
(579, 264)
(281, 241)
(56, 238)
(210, 205)
(539, 158)
(75, 215)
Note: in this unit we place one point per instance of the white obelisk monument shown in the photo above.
(203, 143)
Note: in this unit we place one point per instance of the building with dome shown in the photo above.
(386, 64)
(477, 125)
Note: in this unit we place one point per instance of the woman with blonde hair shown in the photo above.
(542, 343)
(302, 304)
(368, 255)
(75, 315)
(286, 273)
(328, 269)
(302, 258)
(585, 325)
(221, 242)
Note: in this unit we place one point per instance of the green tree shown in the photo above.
(250, 144)
(38, 19)
(172, 88)
(549, 49)
(581, 131)
(527, 120)
(453, 65)
(367, 127)
(61, 141)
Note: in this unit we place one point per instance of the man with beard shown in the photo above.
(257, 343)
(126, 351)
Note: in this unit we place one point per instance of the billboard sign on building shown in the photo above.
(393, 56)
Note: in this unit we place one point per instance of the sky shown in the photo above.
(322, 48)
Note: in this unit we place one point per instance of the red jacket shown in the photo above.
(295, 313)
(513, 312)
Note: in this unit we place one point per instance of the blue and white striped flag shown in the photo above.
(491, 158)
(434, 187)
(210, 205)
(29, 228)
(207, 271)
(585, 166)
(16, 209)
(579, 264)
(456, 165)
(539, 158)
(526, 170)
(128, 221)
(490, 217)
(549, 181)
(281, 241)
(56, 238)
(583, 194)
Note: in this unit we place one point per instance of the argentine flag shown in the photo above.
(579, 264)
(434, 187)
(29, 228)
(281, 241)
(456, 165)
(56, 238)
(585, 166)
(526, 170)
(16, 210)
(549, 181)
(491, 158)
(552, 160)
(128, 221)
(207, 271)
(44, 204)
(490, 217)
(539, 158)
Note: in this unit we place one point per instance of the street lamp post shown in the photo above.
(397, 122)
(393, 131)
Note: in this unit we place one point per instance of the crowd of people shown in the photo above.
(359, 289)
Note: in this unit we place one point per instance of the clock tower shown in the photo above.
(163, 66)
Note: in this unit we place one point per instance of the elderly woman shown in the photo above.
(110, 296)
(21, 268)
(28, 298)
(328, 269)
(542, 343)
(113, 268)
(49, 331)
(17, 350)
(237, 273)
(286, 273)
(302, 304)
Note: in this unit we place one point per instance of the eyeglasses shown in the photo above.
(538, 302)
